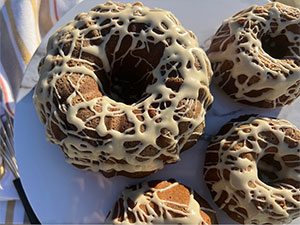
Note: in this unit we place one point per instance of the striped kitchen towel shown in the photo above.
(23, 23)
(12, 212)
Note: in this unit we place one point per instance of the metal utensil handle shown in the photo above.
(28, 209)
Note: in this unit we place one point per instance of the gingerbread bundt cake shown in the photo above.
(123, 89)
(255, 55)
(161, 202)
(252, 169)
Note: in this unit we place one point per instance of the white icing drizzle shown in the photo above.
(275, 77)
(242, 185)
(105, 156)
(144, 195)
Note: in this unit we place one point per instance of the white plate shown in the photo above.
(60, 193)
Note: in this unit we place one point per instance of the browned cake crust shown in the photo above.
(252, 170)
(161, 202)
(255, 55)
(123, 89)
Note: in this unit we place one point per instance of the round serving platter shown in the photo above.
(60, 193)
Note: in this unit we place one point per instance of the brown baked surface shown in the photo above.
(263, 55)
(100, 116)
(177, 198)
(256, 162)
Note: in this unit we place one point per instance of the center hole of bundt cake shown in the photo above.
(276, 47)
(132, 72)
(268, 169)
(128, 83)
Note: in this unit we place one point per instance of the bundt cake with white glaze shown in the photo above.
(161, 202)
(123, 89)
(255, 55)
(252, 169)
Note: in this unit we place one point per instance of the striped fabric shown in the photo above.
(12, 212)
(23, 23)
